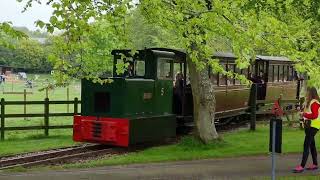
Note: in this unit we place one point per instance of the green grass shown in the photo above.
(34, 140)
(242, 143)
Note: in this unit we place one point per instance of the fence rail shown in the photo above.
(46, 115)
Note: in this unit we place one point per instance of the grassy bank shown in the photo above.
(242, 143)
(20, 142)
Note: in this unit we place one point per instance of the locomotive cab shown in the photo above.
(136, 107)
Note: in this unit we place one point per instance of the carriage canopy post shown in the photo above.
(253, 106)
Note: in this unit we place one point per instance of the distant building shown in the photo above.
(6, 69)
(40, 40)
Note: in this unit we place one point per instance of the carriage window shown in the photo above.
(245, 72)
(222, 78)
(285, 73)
(231, 67)
(291, 76)
(276, 73)
(214, 79)
(139, 68)
(270, 76)
(238, 71)
(252, 70)
(261, 68)
(165, 68)
(281, 74)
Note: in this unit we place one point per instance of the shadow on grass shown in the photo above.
(193, 143)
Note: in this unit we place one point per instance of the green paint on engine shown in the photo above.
(127, 98)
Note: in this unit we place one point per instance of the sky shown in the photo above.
(10, 10)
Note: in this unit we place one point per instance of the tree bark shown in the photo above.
(204, 103)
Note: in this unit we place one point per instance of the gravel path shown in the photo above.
(229, 168)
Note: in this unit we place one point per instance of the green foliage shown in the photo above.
(142, 34)
(27, 53)
(91, 29)
(290, 28)
(32, 34)
(8, 34)
(204, 27)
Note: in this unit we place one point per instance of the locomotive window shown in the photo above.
(165, 69)
(101, 102)
(285, 73)
(281, 74)
(270, 76)
(140, 68)
(177, 68)
(276, 73)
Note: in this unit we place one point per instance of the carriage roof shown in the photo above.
(258, 57)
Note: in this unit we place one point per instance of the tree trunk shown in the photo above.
(204, 103)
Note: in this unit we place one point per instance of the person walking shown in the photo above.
(311, 126)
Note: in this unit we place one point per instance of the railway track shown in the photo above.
(58, 156)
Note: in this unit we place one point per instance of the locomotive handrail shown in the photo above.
(46, 115)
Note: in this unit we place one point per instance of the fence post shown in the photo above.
(25, 106)
(68, 99)
(2, 119)
(253, 106)
(75, 106)
(46, 116)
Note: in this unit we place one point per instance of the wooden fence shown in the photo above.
(46, 114)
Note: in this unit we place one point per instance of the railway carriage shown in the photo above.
(144, 105)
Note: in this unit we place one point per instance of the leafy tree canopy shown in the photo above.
(8, 34)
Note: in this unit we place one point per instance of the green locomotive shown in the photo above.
(136, 107)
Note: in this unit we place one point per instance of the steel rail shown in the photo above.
(56, 156)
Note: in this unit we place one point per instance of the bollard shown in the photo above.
(275, 142)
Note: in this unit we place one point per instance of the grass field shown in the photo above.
(25, 141)
(234, 144)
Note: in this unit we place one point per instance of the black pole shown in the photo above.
(2, 118)
(253, 106)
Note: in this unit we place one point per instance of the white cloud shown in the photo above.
(11, 10)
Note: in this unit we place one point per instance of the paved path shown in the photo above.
(230, 168)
